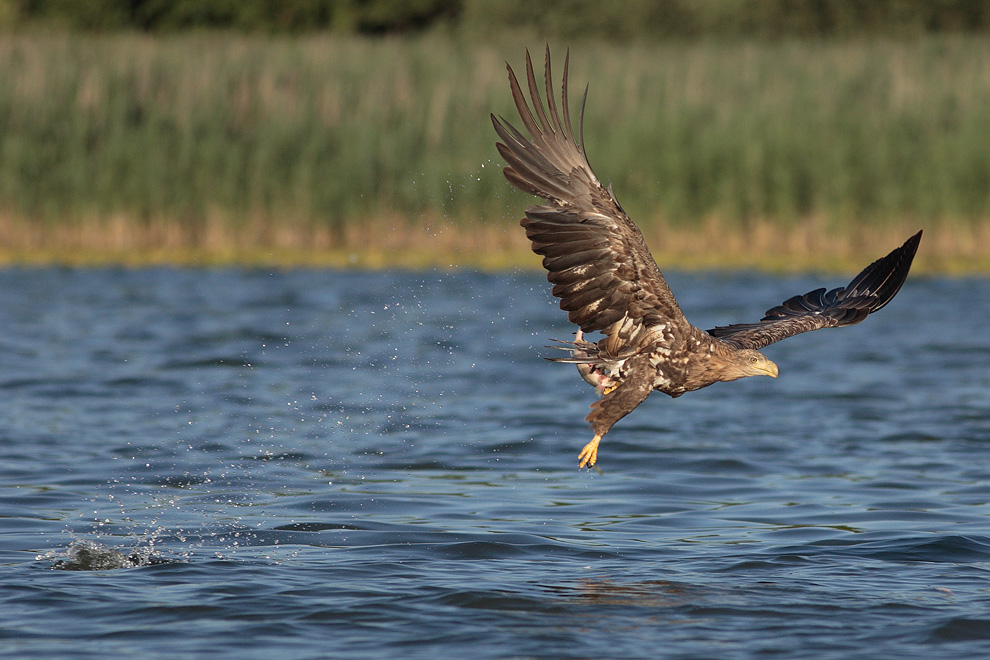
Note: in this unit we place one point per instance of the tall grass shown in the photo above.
(336, 142)
(324, 129)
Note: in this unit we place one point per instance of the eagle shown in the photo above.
(608, 282)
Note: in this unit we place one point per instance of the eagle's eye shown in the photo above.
(752, 359)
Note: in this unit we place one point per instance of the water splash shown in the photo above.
(93, 556)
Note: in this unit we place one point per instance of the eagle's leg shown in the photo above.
(589, 454)
(631, 391)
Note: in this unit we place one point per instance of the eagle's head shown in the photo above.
(748, 362)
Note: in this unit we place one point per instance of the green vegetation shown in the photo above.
(245, 145)
(632, 19)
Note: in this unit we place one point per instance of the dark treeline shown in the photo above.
(637, 19)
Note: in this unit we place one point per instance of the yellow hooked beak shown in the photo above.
(770, 369)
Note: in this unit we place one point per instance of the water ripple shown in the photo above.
(309, 463)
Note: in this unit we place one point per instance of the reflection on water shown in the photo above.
(384, 460)
(654, 594)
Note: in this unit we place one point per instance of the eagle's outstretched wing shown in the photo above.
(597, 259)
(866, 293)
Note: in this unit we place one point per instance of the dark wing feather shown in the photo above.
(866, 293)
(597, 259)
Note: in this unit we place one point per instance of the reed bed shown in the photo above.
(214, 148)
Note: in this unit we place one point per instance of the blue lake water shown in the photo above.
(316, 464)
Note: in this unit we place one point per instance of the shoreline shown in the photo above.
(948, 248)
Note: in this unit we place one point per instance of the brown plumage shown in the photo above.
(607, 280)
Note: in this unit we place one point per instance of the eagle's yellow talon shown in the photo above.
(609, 389)
(589, 454)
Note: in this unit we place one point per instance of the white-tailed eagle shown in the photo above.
(607, 280)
